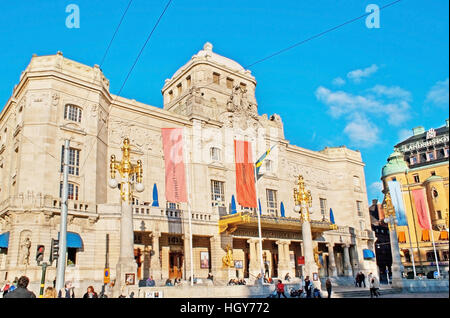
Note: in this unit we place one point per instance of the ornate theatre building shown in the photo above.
(213, 99)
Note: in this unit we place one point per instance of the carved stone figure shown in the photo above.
(227, 260)
(25, 251)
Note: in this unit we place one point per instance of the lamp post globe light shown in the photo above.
(391, 220)
(303, 205)
(130, 179)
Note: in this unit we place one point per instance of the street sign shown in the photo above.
(301, 260)
(106, 278)
(435, 274)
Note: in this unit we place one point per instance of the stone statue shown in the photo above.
(316, 257)
(25, 251)
(227, 260)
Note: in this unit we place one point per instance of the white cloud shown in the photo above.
(404, 134)
(376, 186)
(362, 132)
(343, 103)
(339, 81)
(438, 94)
(357, 75)
(391, 92)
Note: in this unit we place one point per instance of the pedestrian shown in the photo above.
(5, 288)
(21, 291)
(374, 287)
(68, 291)
(308, 287)
(280, 289)
(210, 276)
(90, 293)
(150, 282)
(50, 292)
(168, 282)
(329, 287)
(266, 266)
(363, 279)
(287, 277)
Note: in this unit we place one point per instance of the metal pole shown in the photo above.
(259, 226)
(63, 225)
(44, 269)
(189, 208)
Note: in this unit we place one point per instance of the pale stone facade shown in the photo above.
(213, 98)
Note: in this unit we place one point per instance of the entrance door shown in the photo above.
(175, 265)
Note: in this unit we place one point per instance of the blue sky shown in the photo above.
(359, 87)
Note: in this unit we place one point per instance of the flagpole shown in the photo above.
(409, 234)
(432, 238)
(189, 207)
(259, 226)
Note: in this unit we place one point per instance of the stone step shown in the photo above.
(364, 293)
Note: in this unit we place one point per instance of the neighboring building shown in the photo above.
(213, 98)
(421, 161)
(383, 242)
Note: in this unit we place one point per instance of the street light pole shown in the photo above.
(303, 205)
(126, 263)
(397, 266)
(63, 225)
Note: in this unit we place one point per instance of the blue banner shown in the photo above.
(397, 201)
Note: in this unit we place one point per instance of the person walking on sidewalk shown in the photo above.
(329, 287)
(21, 291)
(374, 287)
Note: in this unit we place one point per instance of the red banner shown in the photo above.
(245, 176)
(300, 260)
(420, 203)
(174, 163)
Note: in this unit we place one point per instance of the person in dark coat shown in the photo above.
(329, 287)
(308, 287)
(68, 291)
(21, 291)
(90, 293)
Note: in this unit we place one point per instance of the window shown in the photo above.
(172, 206)
(229, 82)
(431, 257)
(216, 77)
(71, 256)
(430, 156)
(188, 81)
(217, 193)
(243, 86)
(72, 112)
(72, 193)
(407, 256)
(271, 202)
(74, 161)
(215, 154)
(356, 182)
(179, 89)
(323, 206)
(135, 201)
(268, 165)
(445, 256)
(413, 160)
(416, 178)
(359, 208)
(170, 96)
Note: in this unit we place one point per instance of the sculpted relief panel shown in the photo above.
(143, 139)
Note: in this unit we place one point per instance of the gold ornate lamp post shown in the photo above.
(303, 205)
(127, 170)
(397, 266)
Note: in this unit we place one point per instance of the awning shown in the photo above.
(368, 253)
(4, 240)
(73, 240)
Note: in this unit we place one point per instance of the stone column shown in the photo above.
(155, 263)
(187, 257)
(254, 269)
(217, 252)
(310, 264)
(126, 263)
(331, 259)
(283, 264)
(287, 260)
(347, 265)
(165, 262)
(397, 266)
